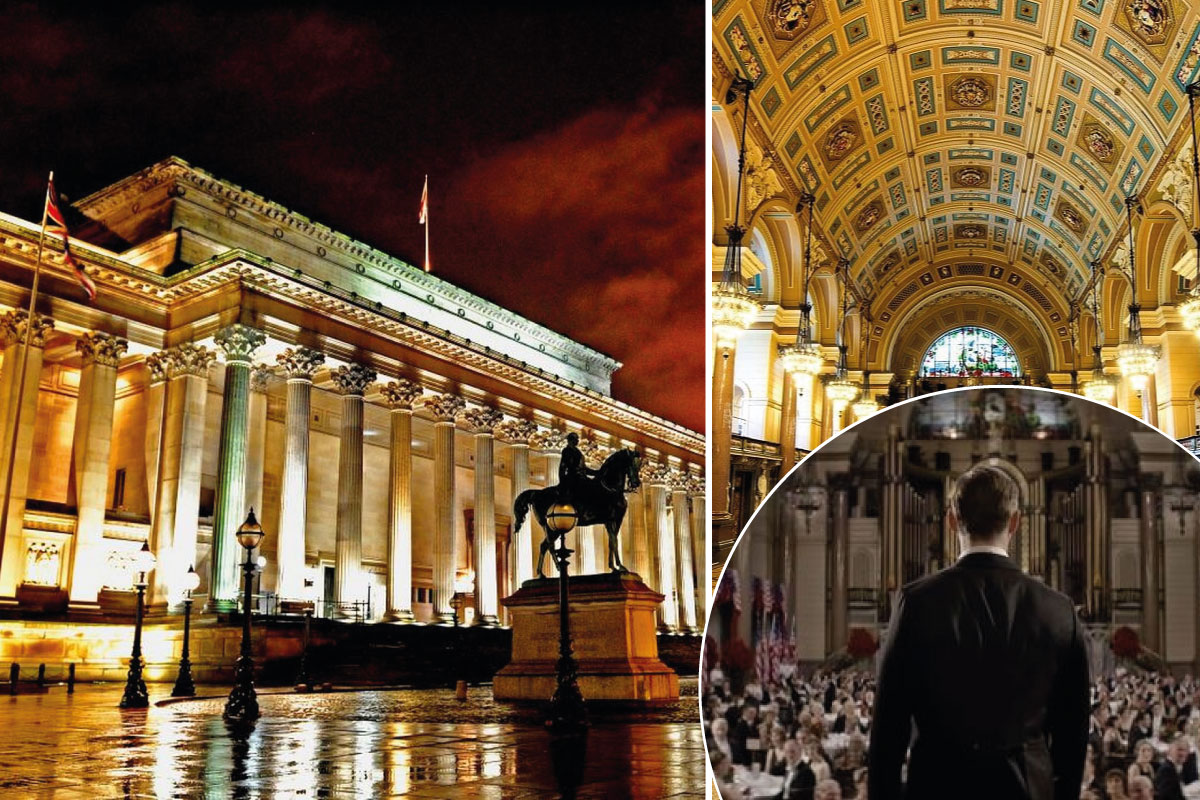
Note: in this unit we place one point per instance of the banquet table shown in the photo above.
(760, 784)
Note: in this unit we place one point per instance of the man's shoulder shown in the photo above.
(952, 577)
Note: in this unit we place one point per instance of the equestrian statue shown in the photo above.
(598, 496)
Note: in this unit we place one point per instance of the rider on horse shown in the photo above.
(573, 473)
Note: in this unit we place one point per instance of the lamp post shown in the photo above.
(567, 711)
(135, 687)
(184, 686)
(242, 705)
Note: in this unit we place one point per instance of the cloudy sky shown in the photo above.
(564, 144)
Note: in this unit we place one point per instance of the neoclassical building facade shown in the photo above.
(948, 165)
(378, 419)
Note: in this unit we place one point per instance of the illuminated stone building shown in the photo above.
(969, 162)
(378, 419)
(1108, 511)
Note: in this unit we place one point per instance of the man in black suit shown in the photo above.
(988, 665)
(1168, 783)
(798, 779)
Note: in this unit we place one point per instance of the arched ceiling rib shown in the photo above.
(934, 132)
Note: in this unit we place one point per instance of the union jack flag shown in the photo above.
(56, 224)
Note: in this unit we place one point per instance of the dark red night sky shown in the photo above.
(564, 144)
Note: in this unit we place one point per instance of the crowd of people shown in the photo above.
(812, 731)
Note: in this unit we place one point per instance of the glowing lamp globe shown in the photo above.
(863, 407)
(190, 581)
(561, 518)
(1137, 362)
(801, 359)
(144, 561)
(733, 311)
(250, 533)
(1101, 389)
(1190, 311)
(841, 391)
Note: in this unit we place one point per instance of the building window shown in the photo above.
(970, 352)
(119, 489)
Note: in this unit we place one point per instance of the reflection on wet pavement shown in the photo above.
(344, 745)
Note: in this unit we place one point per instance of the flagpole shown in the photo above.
(18, 397)
(427, 223)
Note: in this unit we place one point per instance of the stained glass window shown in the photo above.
(970, 351)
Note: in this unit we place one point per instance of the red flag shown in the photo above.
(56, 223)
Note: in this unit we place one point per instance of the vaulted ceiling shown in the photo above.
(987, 143)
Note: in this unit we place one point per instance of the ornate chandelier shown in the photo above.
(1190, 310)
(865, 405)
(1135, 359)
(733, 309)
(1101, 388)
(804, 357)
(840, 389)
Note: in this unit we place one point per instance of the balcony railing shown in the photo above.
(271, 605)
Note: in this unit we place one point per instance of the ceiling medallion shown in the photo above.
(1070, 215)
(885, 266)
(841, 140)
(869, 215)
(972, 177)
(1098, 142)
(971, 92)
(1150, 19)
(791, 17)
(970, 232)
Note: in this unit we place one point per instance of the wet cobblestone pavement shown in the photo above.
(362, 744)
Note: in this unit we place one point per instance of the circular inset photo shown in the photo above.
(985, 593)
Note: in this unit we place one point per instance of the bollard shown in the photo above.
(71, 678)
(41, 679)
(460, 692)
(14, 674)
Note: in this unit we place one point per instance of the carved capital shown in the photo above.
(353, 380)
(300, 363)
(696, 485)
(443, 407)
(551, 440)
(653, 473)
(517, 431)
(188, 359)
(402, 394)
(259, 375)
(239, 341)
(101, 348)
(678, 480)
(480, 419)
(156, 363)
(594, 453)
(12, 329)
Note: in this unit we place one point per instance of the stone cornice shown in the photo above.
(183, 178)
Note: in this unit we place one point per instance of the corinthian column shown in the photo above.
(549, 442)
(12, 339)
(351, 382)
(444, 409)
(299, 364)
(787, 429)
(656, 477)
(256, 440)
(517, 433)
(482, 421)
(93, 441)
(697, 495)
(635, 517)
(683, 551)
(400, 396)
(156, 398)
(180, 461)
(238, 342)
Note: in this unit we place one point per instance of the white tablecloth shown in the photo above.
(760, 784)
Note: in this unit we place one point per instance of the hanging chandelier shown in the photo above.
(865, 405)
(804, 357)
(733, 309)
(1135, 359)
(840, 389)
(1190, 309)
(1101, 388)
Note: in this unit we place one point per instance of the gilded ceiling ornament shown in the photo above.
(1070, 215)
(790, 17)
(972, 177)
(1149, 19)
(1176, 182)
(971, 91)
(1099, 143)
(869, 215)
(888, 263)
(101, 348)
(841, 140)
(970, 232)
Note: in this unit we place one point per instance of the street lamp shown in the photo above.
(242, 705)
(567, 711)
(184, 686)
(135, 687)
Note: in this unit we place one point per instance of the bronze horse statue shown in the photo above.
(598, 501)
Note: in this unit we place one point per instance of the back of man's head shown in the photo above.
(985, 499)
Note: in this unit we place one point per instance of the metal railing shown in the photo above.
(1191, 444)
(272, 605)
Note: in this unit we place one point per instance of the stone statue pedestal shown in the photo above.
(613, 631)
